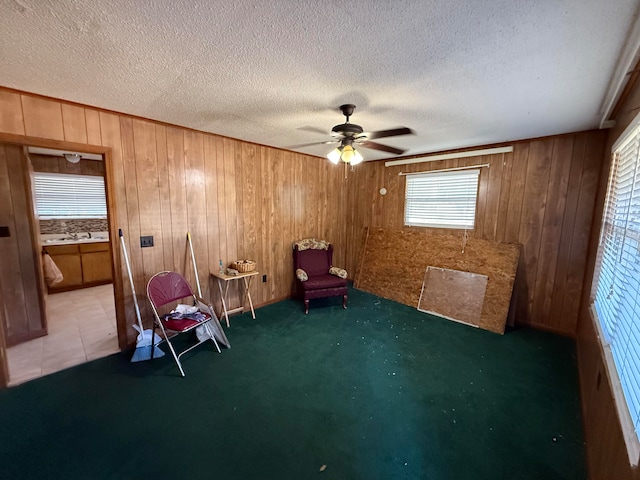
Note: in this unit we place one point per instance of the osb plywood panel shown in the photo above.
(453, 294)
(394, 261)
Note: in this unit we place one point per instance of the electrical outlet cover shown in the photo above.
(146, 241)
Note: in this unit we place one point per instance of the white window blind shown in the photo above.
(616, 294)
(69, 196)
(442, 199)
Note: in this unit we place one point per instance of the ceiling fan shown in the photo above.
(350, 135)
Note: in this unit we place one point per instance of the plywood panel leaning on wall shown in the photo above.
(393, 265)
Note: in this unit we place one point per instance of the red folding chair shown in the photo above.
(166, 288)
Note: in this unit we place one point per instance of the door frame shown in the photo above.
(116, 268)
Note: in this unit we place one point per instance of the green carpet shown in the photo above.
(377, 391)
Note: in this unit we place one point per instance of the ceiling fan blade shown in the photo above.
(313, 129)
(383, 148)
(302, 145)
(390, 133)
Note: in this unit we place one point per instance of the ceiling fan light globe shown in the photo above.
(334, 156)
(357, 158)
(347, 154)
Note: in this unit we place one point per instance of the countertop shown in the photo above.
(62, 239)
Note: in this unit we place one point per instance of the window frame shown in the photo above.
(631, 437)
(94, 195)
(446, 174)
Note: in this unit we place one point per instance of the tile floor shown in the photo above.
(82, 327)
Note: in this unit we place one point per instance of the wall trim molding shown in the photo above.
(449, 156)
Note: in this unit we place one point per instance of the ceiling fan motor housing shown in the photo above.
(350, 134)
(346, 130)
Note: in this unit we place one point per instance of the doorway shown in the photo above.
(79, 313)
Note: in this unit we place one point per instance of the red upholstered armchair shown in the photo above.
(316, 277)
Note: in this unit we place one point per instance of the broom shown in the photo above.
(144, 341)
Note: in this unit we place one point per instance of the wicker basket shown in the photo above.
(244, 266)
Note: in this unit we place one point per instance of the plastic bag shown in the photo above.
(52, 274)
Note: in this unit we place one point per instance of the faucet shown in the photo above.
(73, 235)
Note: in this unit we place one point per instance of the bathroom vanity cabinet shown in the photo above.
(82, 264)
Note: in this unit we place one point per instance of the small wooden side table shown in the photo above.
(227, 279)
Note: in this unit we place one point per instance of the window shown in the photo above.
(69, 196)
(442, 199)
(616, 287)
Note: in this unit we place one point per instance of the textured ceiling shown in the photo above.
(274, 72)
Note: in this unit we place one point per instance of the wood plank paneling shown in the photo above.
(267, 225)
(177, 195)
(250, 207)
(42, 118)
(164, 199)
(518, 181)
(148, 193)
(221, 202)
(503, 202)
(213, 216)
(481, 205)
(11, 118)
(552, 226)
(277, 242)
(534, 203)
(239, 169)
(494, 188)
(582, 228)
(530, 196)
(133, 232)
(92, 118)
(21, 290)
(74, 123)
(568, 225)
(196, 195)
(231, 219)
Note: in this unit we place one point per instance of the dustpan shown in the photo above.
(143, 345)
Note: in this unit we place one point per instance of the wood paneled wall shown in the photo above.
(238, 199)
(244, 200)
(20, 285)
(541, 196)
(606, 450)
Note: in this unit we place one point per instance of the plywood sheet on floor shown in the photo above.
(453, 294)
(393, 265)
